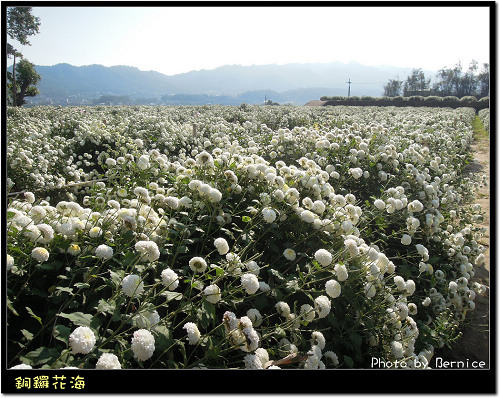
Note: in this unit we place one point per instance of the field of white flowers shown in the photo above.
(238, 237)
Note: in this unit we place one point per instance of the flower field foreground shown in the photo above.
(238, 237)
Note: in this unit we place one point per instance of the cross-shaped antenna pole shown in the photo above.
(349, 89)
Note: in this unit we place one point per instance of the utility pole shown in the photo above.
(349, 89)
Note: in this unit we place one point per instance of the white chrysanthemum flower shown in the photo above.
(253, 267)
(230, 321)
(47, 232)
(356, 172)
(308, 312)
(212, 293)
(283, 309)
(397, 349)
(215, 195)
(426, 302)
(130, 222)
(170, 279)
(95, 232)
(82, 340)
(254, 316)
(198, 264)
(114, 204)
(104, 251)
(341, 272)
(323, 306)
(10, 262)
(122, 192)
(108, 361)
(318, 339)
(290, 254)
(30, 197)
(252, 361)
(222, 246)
(172, 202)
(415, 206)
(332, 357)
(250, 335)
(422, 250)
(132, 285)
(250, 283)
(308, 216)
(333, 288)
(400, 282)
(268, 214)
(410, 287)
(74, 249)
(263, 355)
(141, 192)
(318, 207)
(204, 159)
(406, 239)
(21, 366)
(40, 254)
(324, 257)
(143, 344)
(352, 247)
(194, 334)
(314, 358)
(148, 249)
(264, 287)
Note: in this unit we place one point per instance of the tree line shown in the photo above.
(22, 81)
(448, 82)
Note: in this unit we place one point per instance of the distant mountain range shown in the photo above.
(227, 85)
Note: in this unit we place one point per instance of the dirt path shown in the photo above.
(475, 342)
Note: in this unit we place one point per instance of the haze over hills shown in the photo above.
(225, 85)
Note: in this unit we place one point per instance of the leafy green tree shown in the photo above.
(21, 24)
(454, 82)
(416, 82)
(484, 81)
(393, 88)
(27, 79)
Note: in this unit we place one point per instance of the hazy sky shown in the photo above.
(174, 40)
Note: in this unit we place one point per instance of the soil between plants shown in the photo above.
(474, 345)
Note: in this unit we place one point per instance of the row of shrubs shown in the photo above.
(468, 98)
(484, 115)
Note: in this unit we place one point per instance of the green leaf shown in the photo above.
(81, 319)
(356, 339)
(62, 333)
(81, 285)
(42, 355)
(28, 335)
(163, 338)
(104, 306)
(10, 306)
(172, 296)
(117, 277)
(55, 265)
(434, 260)
(34, 316)
(348, 361)
(182, 250)
(206, 314)
(246, 219)
(64, 289)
